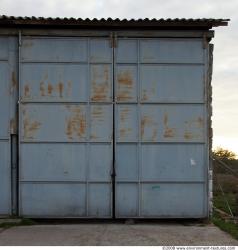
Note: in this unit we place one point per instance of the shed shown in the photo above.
(106, 118)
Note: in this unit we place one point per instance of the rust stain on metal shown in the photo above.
(13, 82)
(125, 79)
(124, 113)
(76, 123)
(42, 89)
(124, 132)
(200, 122)
(60, 88)
(50, 89)
(147, 121)
(168, 132)
(125, 83)
(93, 136)
(188, 135)
(26, 90)
(30, 127)
(100, 84)
(97, 112)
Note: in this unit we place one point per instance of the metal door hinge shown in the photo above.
(113, 40)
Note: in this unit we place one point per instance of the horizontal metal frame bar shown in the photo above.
(64, 182)
(65, 102)
(160, 181)
(161, 217)
(109, 142)
(106, 33)
(65, 142)
(108, 103)
(107, 63)
(5, 139)
(65, 62)
(83, 217)
(109, 182)
(160, 64)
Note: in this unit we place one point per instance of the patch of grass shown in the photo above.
(22, 222)
(227, 226)
(219, 202)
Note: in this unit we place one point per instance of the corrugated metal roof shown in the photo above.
(176, 23)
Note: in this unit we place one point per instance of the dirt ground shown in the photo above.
(116, 234)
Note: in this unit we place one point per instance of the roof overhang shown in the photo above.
(78, 23)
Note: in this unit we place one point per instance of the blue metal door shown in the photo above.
(89, 111)
(161, 162)
(66, 127)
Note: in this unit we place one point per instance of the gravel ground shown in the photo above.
(116, 234)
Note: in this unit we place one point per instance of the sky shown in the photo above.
(225, 68)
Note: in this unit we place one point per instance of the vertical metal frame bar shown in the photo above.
(19, 120)
(207, 118)
(139, 128)
(88, 127)
(114, 128)
(8, 139)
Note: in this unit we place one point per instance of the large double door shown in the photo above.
(112, 129)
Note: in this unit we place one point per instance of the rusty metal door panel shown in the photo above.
(66, 122)
(101, 79)
(54, 82)
(160, 124)
(173, 200)
(5, 178)
(54, 122)
(40, 123)
(126, 78)
(172, 83)
(127, 123)
(175, 123)
(101, 123)
(171, 51)
(48, 49)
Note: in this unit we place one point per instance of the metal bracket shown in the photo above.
(113, 40)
